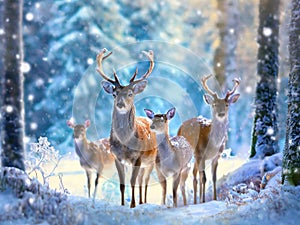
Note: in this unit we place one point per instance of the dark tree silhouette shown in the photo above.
(291, 157)
(264, 134)
(12, 110)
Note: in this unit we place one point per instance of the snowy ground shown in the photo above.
(38, 204)
(74, 180)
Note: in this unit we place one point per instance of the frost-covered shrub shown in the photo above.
(42, 158)
(32, 200)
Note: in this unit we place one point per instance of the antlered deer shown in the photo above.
(208, 137)
(173, 156)
(92, 155)
(131, 139)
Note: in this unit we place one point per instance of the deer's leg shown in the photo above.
(163, 183)
(140, 181)
(96, 185)
(202, 179)
(195, 183)
(88, 176)
(147, 178)
(214, 166)
(176, 179)
(99, 172)
(183, 176)
(135, 172)
(120, 169)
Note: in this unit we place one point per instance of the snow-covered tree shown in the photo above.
(264, 134)
(12, 110)
(291, 157)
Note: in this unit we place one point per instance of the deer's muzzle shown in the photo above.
(120, 105)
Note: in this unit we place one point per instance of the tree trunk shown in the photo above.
(291, 156)
(12, 111)
(225, 66)
(225, 58)
(265, 130)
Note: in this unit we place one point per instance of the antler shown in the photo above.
(150, 55)
(100, 58)
(237, 83)
(206, 88)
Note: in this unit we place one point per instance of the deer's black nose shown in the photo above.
(221, 114)
(121, 105)
(152, 126)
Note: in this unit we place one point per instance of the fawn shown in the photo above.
(173, 156)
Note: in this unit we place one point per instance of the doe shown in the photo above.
(93, 156)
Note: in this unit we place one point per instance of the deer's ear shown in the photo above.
(149, 113)
(171, 113)
(208, 99)
(233, 98)
(139, 87)
(70, 123)
(87, 123)
(107, 86)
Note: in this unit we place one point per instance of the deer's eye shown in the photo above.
(130, 94)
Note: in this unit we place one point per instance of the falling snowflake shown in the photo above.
(267, 31)
(29, 16)
(9, 109)
(270, 131)
(30, 97)
(25, 67)
(90, 61)
(33, 126)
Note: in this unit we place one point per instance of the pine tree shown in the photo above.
(12, 111)
(291, 157)
(264, 134)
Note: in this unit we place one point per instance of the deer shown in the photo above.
(131, 140)
(173, 157)
(93, 156)
(208, 137)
